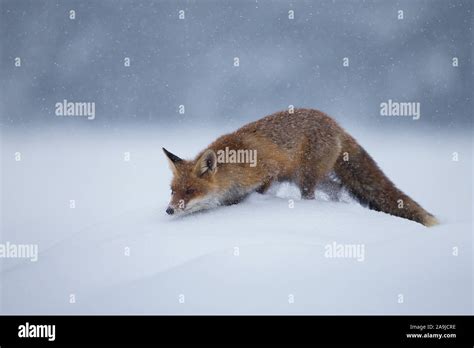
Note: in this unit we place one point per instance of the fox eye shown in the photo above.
(190, 191)
(172, 192)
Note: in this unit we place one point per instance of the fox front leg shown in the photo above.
(264, 187)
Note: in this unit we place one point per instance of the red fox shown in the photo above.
(305, 146)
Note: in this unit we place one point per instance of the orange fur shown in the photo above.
(303, 147)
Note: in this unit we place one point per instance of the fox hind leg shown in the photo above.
(317, 162)
(307, 185)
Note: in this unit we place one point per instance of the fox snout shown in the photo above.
(170, 211)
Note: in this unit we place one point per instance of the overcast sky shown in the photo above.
(190, 61)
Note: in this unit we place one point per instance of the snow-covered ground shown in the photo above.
(118, 252)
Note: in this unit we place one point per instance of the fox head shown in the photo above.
(193, 186)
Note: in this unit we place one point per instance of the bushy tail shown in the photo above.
(368, 184)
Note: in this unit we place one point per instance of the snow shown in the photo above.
(249, 258)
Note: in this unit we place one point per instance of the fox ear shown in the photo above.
(207, 163)
(172, 159)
